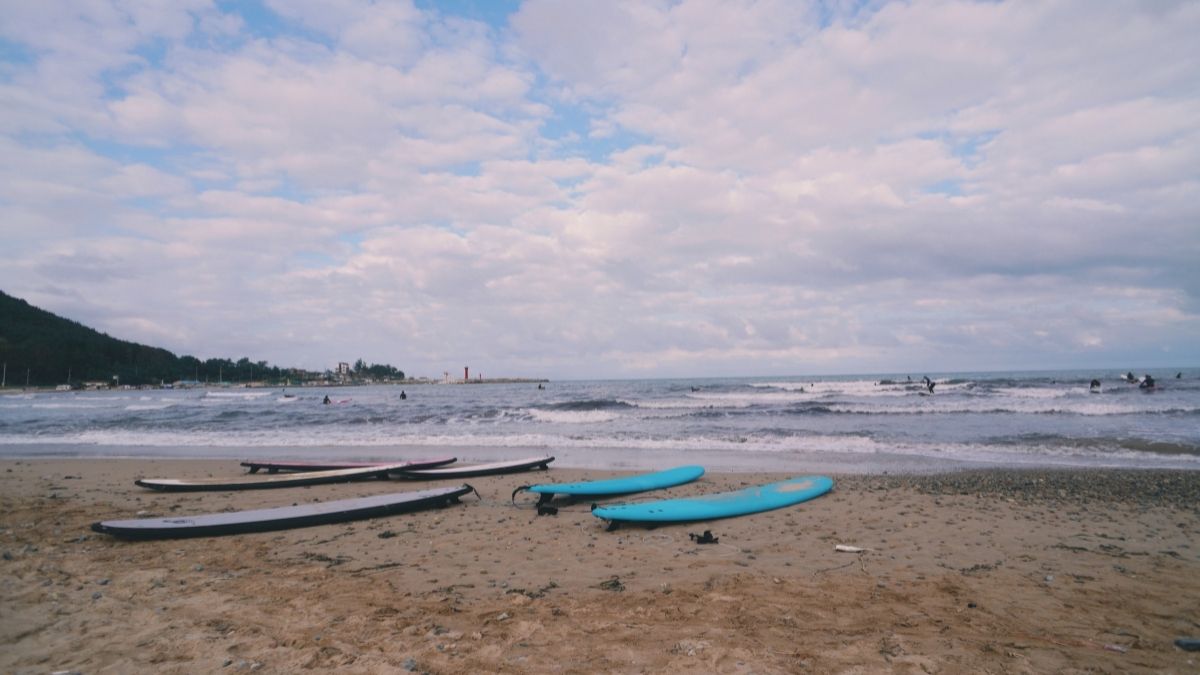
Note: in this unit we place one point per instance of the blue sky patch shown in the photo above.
(313, 259)
(495, 13)
(263, 23)
(951, 187)
(15, 53)
(126, 153)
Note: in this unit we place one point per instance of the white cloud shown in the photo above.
(740, 187)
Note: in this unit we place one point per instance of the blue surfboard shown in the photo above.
(616, 486)
(722, 505)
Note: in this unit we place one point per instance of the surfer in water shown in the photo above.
(1147, 382)
(403, 395)
(326, 401)
(929, 384)
(1095, 385)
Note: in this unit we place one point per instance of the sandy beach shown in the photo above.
(997, 571)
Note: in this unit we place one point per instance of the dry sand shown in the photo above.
(993, 572)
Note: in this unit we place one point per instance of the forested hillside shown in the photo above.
(42, 349)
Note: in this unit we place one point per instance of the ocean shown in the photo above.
(843, 424)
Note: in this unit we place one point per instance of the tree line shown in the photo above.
(40, 349)
(380, 371)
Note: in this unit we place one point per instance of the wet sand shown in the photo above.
(996, 571)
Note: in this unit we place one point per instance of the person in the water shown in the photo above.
(1095, 385)
(1147, 382)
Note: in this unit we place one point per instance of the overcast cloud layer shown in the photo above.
(609, 189)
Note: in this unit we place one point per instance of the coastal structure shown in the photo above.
(480, 379)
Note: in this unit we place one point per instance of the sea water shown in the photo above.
(868, 423)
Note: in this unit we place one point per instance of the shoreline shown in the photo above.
(583, 458)
(1000, 569)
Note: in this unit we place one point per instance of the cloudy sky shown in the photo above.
(610, 189)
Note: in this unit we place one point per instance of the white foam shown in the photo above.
(693, 402)
(1029, 392)
(149, 406)
(237, 394)
(69, 406)
(815, 445)
(933, 404)
(571, 416)
(858, 388)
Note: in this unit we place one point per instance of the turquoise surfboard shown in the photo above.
(616, 486)
(723, 505)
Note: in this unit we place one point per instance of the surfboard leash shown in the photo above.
(543, 497)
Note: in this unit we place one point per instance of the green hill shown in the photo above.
(43, 349)
(49, 349)
(46, 350)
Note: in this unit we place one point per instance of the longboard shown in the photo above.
(276, 467)
(492, 469)
(245, 482)
(615, 486)
(264, 520)
(722, 505)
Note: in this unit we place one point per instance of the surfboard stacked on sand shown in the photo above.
(615, 486)
(318, 473)
(249, 482)
(302, 474)
(722, 505)
(705, 507)
(266, 520)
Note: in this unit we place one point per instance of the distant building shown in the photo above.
(343, 369)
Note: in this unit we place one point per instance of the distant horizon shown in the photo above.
(476, 372)
(1137, 371)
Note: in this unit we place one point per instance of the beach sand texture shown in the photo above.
(1021, 572)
